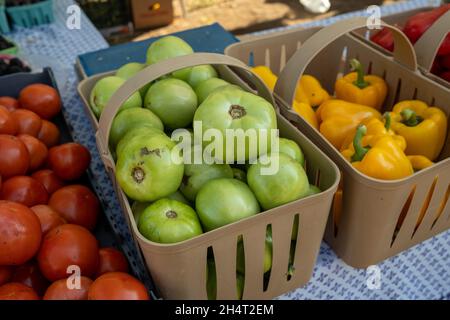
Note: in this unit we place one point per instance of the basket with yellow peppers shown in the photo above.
(386, 146)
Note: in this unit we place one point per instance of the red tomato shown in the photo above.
(77, 204)
(17, 291)
(42, 99)
(28, 121)
(5, 274)
(48, 218)
(8, 124)
(111, 260)
(30, 275)
(37, 150)
(69, 161)
(10, 103)
(24, 190)
(65, 246)
(117, 286)
(20, 233)
(59, 290)
(49, 134)
(49, 180)
(14, 156)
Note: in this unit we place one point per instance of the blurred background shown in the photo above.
(125, 20)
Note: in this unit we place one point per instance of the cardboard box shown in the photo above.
(151, 13)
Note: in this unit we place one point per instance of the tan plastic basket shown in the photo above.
(367, 232)
(179, 270)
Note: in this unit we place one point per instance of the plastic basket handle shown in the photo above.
(287, 81)
(156, 71)
(429, 43)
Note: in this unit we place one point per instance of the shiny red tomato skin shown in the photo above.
(37, 150)
(68, 245)
(117, 286)
(49, 180)
(59, 290)
(24, 190)
(8, 124)
(28, 122)
(49, 134)
(17, 291)
(10, 103)
(111, 260)
(6, 273)
(20, 233)
(14, 157)
(69, 161)
(48, 218)
(77, 204)
(41, 99)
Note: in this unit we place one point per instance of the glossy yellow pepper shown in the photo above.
(306, 112)
(340, 118)
(269, 78)
(420, 162)
(369, 90)
(310, 91)
(378, 156)
(423, 127)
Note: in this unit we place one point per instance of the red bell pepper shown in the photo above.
(445, 75)
(384, 38)
(444, 62)
(419, 23)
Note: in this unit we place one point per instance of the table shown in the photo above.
(423, 272)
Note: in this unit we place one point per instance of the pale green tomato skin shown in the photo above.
(237, 109)
(173, 101)
(240, 259)
(145, 169)
(143, 130)
(169, 221)
(129, 70)
(223, 201)
(138, 207)
(240, 175)
(211, 284)
(291, 148)
(313, 190)
(204, 88)
(166, 48)
(196, 175)
(198, 74)
(104, 90)
(129, 119)
(290, 183)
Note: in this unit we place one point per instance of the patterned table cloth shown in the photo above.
(422, 272)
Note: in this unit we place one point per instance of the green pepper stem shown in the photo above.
(410, 118)
(358, 68)
(387, 120)
(360, 151)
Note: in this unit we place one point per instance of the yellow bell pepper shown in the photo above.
(378, 156)
(423, 127)
(369, 90)
(340, 118)
(420, 162)
(310, 91)
(306, 112)
(266, 75)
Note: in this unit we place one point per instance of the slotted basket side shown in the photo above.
(369, 228)
(179, 270)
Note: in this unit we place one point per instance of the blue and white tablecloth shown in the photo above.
(422, 272)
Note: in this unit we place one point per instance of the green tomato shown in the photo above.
(143, 130)
(199, 74)
(313, 190)
(288, 184)
(211, 284)
(104, 90)
(291, 148)
(240, 259)
(204, 88)
(173, 101)
(169, 221)
(166, 48)
(223, 201)
(240, 175)
(129, 119)
(196, 175)
(237, 109)
(138, 207)
(129, 70)
(145, 169)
